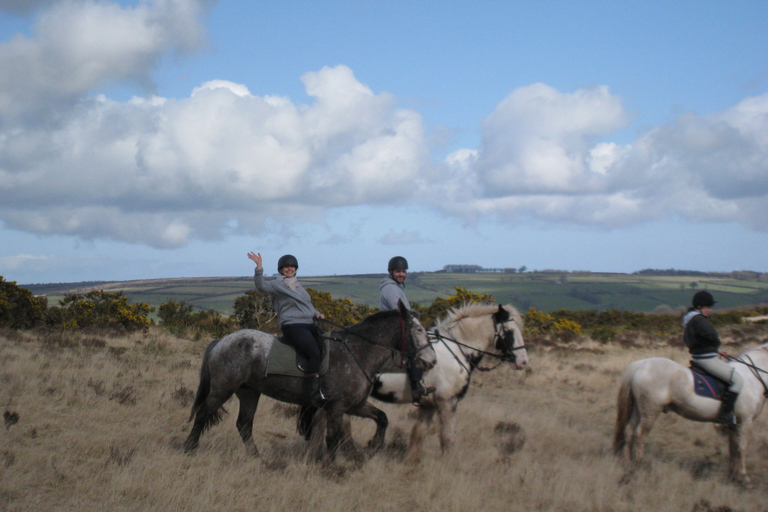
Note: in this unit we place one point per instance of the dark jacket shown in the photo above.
(700, 336)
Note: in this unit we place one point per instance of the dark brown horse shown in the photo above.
(237, 364)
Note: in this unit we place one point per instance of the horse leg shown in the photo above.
(334, 430)
(367, 410)
(249, 401)
(640, 426)
(446, 411)
(418, 432)
(737, 444)
(206, 414)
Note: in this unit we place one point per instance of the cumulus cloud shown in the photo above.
(544, 156)
(79, 45)
(160, 171)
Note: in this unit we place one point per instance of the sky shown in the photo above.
(168, 138)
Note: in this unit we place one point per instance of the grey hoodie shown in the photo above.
(293, 306)
(391, 290)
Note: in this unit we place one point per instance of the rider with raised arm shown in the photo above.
(703, 343)
(296, 315)
(392, 289)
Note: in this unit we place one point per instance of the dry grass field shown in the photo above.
(95, 422)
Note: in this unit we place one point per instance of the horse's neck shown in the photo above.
(377, 343)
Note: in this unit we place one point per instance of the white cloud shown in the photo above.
(80, 45)
(541, 157)
(17, 261)
(403, 237)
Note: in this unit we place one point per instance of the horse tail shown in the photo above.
(204, 388)
(625, 403)
(305, 421)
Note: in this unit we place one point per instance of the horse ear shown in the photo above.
(402, 308)
(502, 315)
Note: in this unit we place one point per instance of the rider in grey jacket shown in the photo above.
(392, 289)
(296, 315)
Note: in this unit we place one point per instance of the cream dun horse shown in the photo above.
(658, 385)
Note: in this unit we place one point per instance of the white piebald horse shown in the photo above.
(466, 337)
(658, 385)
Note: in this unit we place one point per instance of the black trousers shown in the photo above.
(415, 373)
(305, 338)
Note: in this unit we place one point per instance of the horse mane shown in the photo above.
(455, 316)
(375, 317)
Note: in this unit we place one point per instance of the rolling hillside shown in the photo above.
(545, 291)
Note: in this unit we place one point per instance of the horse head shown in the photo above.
(418, 347)
(509, 337)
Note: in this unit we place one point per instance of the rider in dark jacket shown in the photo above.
(703, 343)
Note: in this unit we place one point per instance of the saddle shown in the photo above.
(707, 385)
(284, 360)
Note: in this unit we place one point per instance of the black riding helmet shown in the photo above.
(397, 263)
(703, 299)
(288, 260)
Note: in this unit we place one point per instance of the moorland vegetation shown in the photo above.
(95, 418)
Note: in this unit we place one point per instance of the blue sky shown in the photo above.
(168, 138)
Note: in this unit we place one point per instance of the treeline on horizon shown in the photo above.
(741, 275)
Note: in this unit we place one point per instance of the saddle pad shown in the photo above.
(706, 385)
(282, 360)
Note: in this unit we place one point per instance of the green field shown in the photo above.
(545, 291)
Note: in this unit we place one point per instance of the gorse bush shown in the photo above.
(429, 315)
(101, 309)
(19, 309)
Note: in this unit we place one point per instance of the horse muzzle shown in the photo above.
(426, 359)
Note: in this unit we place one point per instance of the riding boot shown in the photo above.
(725, 415)
(419, 391)
(314, 389)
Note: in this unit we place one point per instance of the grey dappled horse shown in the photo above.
(237, 363)
(658, 385)
(466, 337)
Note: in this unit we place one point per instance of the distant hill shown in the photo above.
(645, 291)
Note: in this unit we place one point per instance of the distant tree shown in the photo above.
(522, 269)
(176, 316)
(342, 312)
(253, 310)
(694, 285)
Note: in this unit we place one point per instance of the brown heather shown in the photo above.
(96, 423)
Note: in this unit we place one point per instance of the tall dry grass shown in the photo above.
(101, 421)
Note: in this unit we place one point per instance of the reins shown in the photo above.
(756, 370)
(344, 341)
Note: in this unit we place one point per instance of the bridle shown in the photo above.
(503, 341)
